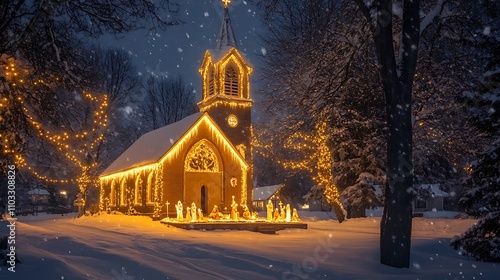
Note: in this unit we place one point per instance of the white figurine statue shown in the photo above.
(246, 213)
(179, 208)
(200, 215)
(188, 214)
(193, 212)
(234, 210)
(295, 216)
(288, 217)
(270, 211)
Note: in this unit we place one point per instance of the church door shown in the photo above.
(204, 200)
(203, 176)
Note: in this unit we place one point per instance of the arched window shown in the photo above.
(231, 80)
(150, 188)
(123, 192)
(138, 190)
(211, 80)
(202, 158)
(112, 194)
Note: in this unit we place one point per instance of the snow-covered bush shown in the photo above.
(482, 240)
(362, 195)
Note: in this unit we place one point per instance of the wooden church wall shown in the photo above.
(186, 186)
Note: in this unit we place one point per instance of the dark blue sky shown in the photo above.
(180, 49)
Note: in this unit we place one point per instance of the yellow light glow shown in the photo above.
(317, 159)
(63, 142)
(172, 154)
(215, 102)
(233, 57)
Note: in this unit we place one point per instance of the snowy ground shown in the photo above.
(123, 247)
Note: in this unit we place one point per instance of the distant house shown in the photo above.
(39, 198)
(319, 205)
(315, 200)
(429, 198)
(262, 195)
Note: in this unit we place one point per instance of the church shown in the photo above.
(205, 158)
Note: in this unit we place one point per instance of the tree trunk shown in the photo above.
(395, 227)
(337, 209)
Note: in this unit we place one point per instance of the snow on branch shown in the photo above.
(438, 11)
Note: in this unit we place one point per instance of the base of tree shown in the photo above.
(339, 212)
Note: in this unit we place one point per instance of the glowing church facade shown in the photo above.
(205, 158)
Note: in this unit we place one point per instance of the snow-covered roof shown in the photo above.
(38, 191)
(226, 34)
(435, 190)
(264, 193)
(150, 147)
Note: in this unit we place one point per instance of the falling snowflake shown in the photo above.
(263, 51)
(123, 276)
(486, 30)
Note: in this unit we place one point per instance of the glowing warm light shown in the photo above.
(318, 161)
(172, 155)
(232, 57)
(63, 142)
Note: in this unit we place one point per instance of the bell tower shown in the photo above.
(226, 88)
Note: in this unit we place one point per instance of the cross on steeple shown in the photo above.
(226, 3)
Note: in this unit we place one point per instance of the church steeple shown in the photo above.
(226, 92)
(226, 88)
(226, 34)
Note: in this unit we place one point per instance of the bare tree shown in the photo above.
(113, 72)
(47, 37)
(21, 20)
(165, 101)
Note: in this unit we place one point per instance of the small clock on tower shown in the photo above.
(232, 121)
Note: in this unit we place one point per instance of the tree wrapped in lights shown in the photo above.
(70, 135)
(312, 153)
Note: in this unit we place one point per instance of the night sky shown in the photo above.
(179, 50)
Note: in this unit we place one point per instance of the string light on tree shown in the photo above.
(76, 146)
(316, 159)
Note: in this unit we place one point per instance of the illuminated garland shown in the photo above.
(158, 192)
(62, 141)
(102, 202)
(219, 68)
(318, 161)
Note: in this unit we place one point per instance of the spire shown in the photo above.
(226, 35)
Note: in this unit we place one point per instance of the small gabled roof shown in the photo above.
(38, 191)
(264, 193)
(215, 56)
(150, 147)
